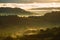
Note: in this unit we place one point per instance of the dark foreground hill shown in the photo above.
(13, 23)
(51, 18)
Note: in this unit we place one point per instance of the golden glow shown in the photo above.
(23, 15)
(30, 5)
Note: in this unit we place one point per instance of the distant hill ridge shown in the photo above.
(8, 10)
(48, 8)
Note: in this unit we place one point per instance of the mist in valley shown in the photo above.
(43, 25)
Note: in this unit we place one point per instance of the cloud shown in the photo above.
(27, 1)
(14, 1)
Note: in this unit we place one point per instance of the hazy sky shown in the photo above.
(27, 1)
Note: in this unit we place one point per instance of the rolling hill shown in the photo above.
(13, 11)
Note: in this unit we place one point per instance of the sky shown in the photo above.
(27, 1)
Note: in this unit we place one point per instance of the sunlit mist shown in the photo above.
(30, 5)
